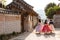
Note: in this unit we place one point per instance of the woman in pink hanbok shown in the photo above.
(38, 27)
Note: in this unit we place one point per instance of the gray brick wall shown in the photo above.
(57, 21)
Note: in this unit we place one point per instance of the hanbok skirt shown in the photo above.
(46, 29)
(38, 29)
(52, 28)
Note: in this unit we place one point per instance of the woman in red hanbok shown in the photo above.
(46, 28)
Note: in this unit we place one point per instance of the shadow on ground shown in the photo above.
(49, 35)
(46, 35)
(22, 36)
(38, 34)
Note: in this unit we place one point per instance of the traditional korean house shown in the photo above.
(18, 16)
(27, 13)
(10, 21)
(31, 16)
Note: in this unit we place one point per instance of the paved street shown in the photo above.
(33, 36)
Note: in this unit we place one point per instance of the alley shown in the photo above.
(33, 36)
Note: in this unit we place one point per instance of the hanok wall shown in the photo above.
(57, 19)
(9, 22)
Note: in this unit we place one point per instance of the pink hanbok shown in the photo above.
(52, 27)
(39, 27)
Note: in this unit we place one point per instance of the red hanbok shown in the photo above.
(46, 28)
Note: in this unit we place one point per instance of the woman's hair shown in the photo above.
(39, 20)
(51, 22)
(45, 22)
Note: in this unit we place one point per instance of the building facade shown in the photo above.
(18, 16)
(57, 19)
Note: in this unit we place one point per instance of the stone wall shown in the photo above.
(10, 23)
(57, 21)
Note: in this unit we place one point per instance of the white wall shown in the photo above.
(9, 24)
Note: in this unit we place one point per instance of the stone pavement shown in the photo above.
(33, 36)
